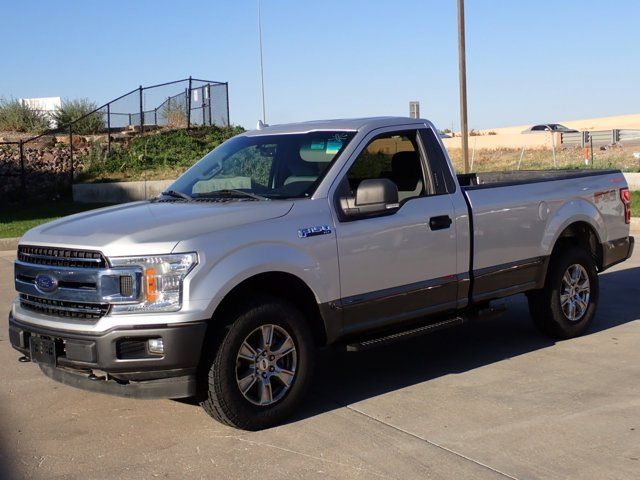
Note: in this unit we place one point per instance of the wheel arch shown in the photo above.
(577, 221)
(282, 285)
(582, 234)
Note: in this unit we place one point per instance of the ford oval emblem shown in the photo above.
(46, 283)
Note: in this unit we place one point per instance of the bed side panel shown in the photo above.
(518, 222)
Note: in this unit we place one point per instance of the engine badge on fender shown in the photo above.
(314, 231)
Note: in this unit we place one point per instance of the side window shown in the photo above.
(395, 156)
(443, 182)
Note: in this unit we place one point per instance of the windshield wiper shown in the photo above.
(230, 192)
(176, 194)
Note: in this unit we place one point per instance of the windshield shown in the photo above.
(271, 166)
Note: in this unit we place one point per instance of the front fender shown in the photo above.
(576, 210)
(251, 260)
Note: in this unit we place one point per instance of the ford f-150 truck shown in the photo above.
(289, 238)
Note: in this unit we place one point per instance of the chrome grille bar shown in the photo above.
(54, 260)
(64, 309)
(61, 257)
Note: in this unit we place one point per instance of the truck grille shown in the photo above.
(58, 308)
(61, 257)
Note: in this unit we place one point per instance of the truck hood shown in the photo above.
(150, 227)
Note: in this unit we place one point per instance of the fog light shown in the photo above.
(156, 345)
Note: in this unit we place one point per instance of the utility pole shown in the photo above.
(463, 86)
(264, 110)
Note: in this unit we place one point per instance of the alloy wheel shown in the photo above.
(266, 365)
(575, 292)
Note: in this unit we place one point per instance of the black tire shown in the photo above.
(545, 304)
(223, 400)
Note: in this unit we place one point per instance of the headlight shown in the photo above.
(162, 278)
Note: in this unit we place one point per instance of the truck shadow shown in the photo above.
(345, 378)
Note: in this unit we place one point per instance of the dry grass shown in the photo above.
(502, 159)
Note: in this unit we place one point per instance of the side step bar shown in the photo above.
(397, 336)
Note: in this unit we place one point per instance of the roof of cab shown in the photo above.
(348, 124)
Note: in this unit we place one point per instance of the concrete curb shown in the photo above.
(119, 192)
(633, 180)
(9, 243)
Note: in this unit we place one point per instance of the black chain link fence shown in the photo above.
(43, 166)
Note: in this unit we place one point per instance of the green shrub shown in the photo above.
(72, 110)
(161, 154)
(635, 204)
(18, 117)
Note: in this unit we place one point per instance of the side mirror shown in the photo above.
(376, 196)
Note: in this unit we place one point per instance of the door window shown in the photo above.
(395, 156)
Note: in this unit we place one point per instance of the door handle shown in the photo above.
(440, 223)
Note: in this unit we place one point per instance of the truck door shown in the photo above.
(394, 267)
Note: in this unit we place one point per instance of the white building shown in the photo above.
(47, 105)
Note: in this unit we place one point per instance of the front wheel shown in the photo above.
(261, 367)
(566, 305)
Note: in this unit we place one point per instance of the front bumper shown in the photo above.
(616, 251)
(117, 361)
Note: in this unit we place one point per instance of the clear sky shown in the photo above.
(528, 61)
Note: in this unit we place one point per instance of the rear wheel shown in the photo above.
(566, 305)
(260, 366)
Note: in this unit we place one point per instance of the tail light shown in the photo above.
(625, 196)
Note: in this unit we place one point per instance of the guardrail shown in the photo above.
(600, 137)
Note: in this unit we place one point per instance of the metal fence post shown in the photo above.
(210, 100)
(521, 155)
(155, 116)
(228, 117)
(204, 113)
(71, 152)
(108, 127)
(23, 180)
(141, 112)
(189, 105)
(186, 102)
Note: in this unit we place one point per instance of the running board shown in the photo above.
(406, 334)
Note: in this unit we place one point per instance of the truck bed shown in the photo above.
(502, 179)
(515, 217)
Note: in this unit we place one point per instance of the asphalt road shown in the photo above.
(491, 400)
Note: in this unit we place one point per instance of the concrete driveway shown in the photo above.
(492, 400)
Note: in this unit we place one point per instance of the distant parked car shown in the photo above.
(550, 127)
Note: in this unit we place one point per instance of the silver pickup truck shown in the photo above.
(352, 233)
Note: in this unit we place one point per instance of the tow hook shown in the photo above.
(96, 378)
(24, 359)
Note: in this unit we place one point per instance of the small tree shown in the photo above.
(82, 112)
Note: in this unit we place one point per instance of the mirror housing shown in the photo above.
(374, 197)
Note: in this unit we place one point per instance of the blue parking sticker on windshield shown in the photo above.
(333, 147)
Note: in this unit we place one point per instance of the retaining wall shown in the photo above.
(118, 192)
